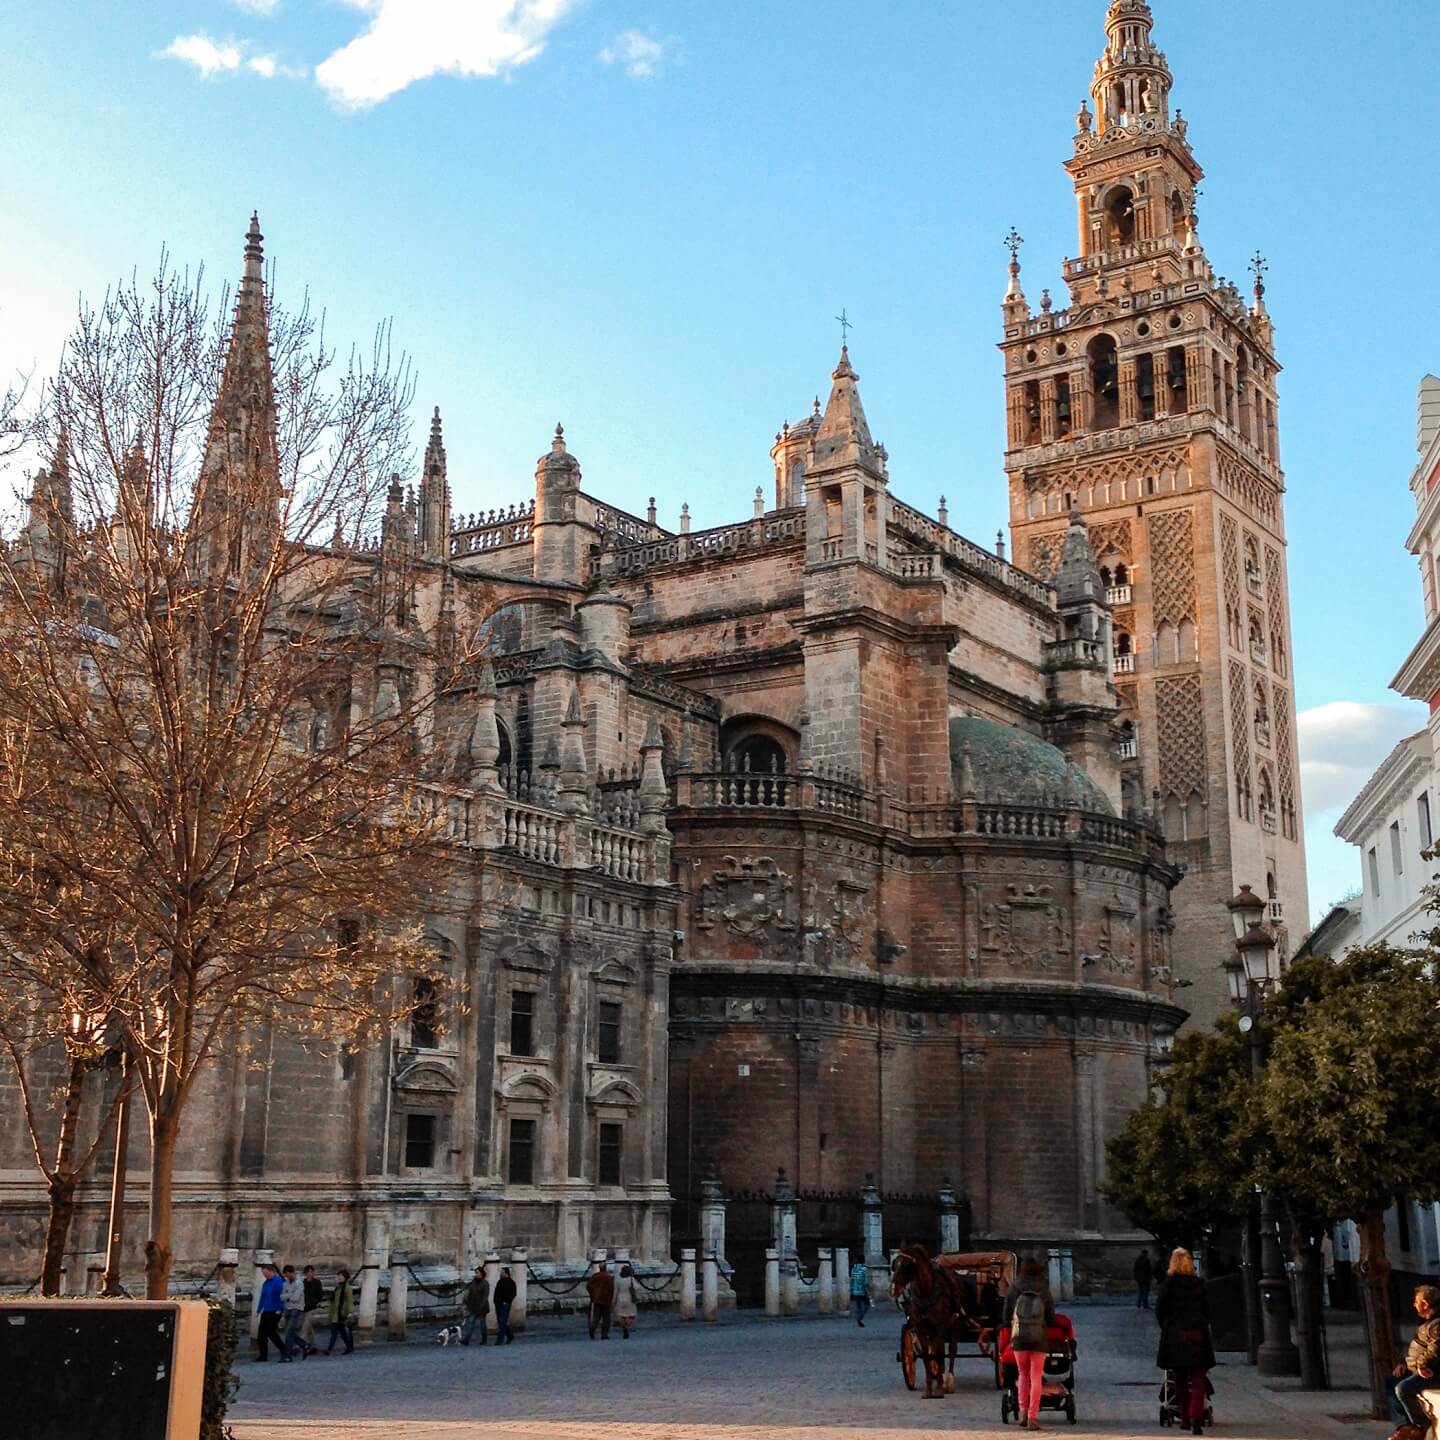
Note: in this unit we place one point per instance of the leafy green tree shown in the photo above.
(1183, 1162)
(1348, 1098)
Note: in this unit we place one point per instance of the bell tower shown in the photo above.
(1149, 401)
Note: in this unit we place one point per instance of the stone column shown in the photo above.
(397, 1307)
(873, 1221)
(687, 1284)
(772, 1282)
(1054, 1275)
(712, 1218)
(842, 1279)
(520, 1274)
(825, 1283)
(1047, 412)
(95, 1282)
(376, 1259)
(262, 1257)
(949, 1220)
(229, 1260)
(1067, 1274)
(710, 1288)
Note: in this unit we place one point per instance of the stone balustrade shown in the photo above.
(473, 533)
(780, 527)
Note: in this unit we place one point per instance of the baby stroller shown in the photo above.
(1059, 1381)
(1170, 1402)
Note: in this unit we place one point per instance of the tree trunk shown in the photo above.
(57, 1231)
(62, 1185)
(164, 1132)
(1309, 1302)
(1375, 1301)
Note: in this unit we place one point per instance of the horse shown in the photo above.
(932, 1300)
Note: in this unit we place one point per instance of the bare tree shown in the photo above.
(216, 807)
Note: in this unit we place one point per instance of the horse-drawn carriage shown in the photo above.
(949, 1301)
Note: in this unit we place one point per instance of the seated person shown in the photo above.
(1421, 1370)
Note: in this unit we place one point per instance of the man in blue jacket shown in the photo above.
(270, 1307)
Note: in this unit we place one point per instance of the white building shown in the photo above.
(1393, 820)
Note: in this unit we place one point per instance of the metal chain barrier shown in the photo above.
(445, 1292)
(561, 1290)
(655, 1289)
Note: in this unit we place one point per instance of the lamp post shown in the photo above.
(1251, 973)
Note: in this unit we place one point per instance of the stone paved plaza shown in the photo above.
(743, 1379)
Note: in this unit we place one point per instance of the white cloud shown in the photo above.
(257, 7)
(641, 55)
(226, 57)
(411, 40)
(209, 57)
(1342, 743)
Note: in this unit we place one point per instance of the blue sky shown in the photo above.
(641, 217)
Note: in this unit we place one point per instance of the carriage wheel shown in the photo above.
(907, 1357)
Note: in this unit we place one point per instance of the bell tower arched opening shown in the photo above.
(1105, 381)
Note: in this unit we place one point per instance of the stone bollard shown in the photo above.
(712, 1218)
(687, 1284)
(64, 1277)
(1067, 1275)
(825, 1282)
(949, 1228)
(375, 1261)
(772, 1282)
(1054, 1275)
(872, 1222)
(492, 1274)
(842, 1280)
(520, 1274)
(225, 1286)
(397, 1307)
(95, 1278)
(710, 1288)
(790, 1284)
(262, 1258)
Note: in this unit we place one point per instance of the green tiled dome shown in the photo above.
(1011, 764)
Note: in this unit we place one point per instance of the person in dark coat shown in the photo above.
(1187, 1348)
(477, 1307)
(1144, 1277)
(504, 1297)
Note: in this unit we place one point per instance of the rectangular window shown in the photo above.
(419, 1142)
(425, 1018)
(1397, 857)
(1374, 871)
(612, 1140)
(1422, 810)
(607, 1046)
(522, 1022)
(522, 1152)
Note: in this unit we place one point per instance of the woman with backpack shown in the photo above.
(1187, 1349)
(1029, 1314)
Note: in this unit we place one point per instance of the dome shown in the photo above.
(1011, 764)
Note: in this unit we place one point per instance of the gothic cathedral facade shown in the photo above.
(1150, 404)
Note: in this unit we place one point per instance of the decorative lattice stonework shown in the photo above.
(1240, 482)
(1275, 596)
(1042, 557)
(1240, 721)
(1180, 714)
(1230, 561)
(1285, 760)
(1172, 566)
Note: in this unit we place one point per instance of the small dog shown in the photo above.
(450, 1335)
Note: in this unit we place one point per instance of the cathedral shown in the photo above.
(825, 851)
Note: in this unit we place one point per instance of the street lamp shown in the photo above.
(1250, 973)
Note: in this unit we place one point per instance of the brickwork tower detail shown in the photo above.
(1150, 403)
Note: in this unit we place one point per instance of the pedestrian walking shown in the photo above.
(624, 1307)
(1029, 1314)
(1420, 1370)
(292, 1296)
(342, 1314)
(504, 1298)
(600, 1287)
(1187, 1348)
(1144, 1277)
(314, 1310)
(477, 1306)
(860, 1292)
(270, 1306)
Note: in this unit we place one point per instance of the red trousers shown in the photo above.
(1190, 1396)
(1031, 1364)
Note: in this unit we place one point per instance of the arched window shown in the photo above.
(1257, 638)
(1186, 652)
(1123, 643)
(1145, 392)
(1106, 577)
(1122, 574)
(1267, 800)
(1243, 798)
(1167, 647)
(1105, 382)
(1195, 818)
(1120, 218)
(506, 753)
(759, 755)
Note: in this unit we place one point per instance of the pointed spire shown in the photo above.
(254, 249)
(843, 437)
(434, 509)
(1077, 578)
(1132, 80)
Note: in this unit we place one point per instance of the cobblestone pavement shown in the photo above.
(745, 1378)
